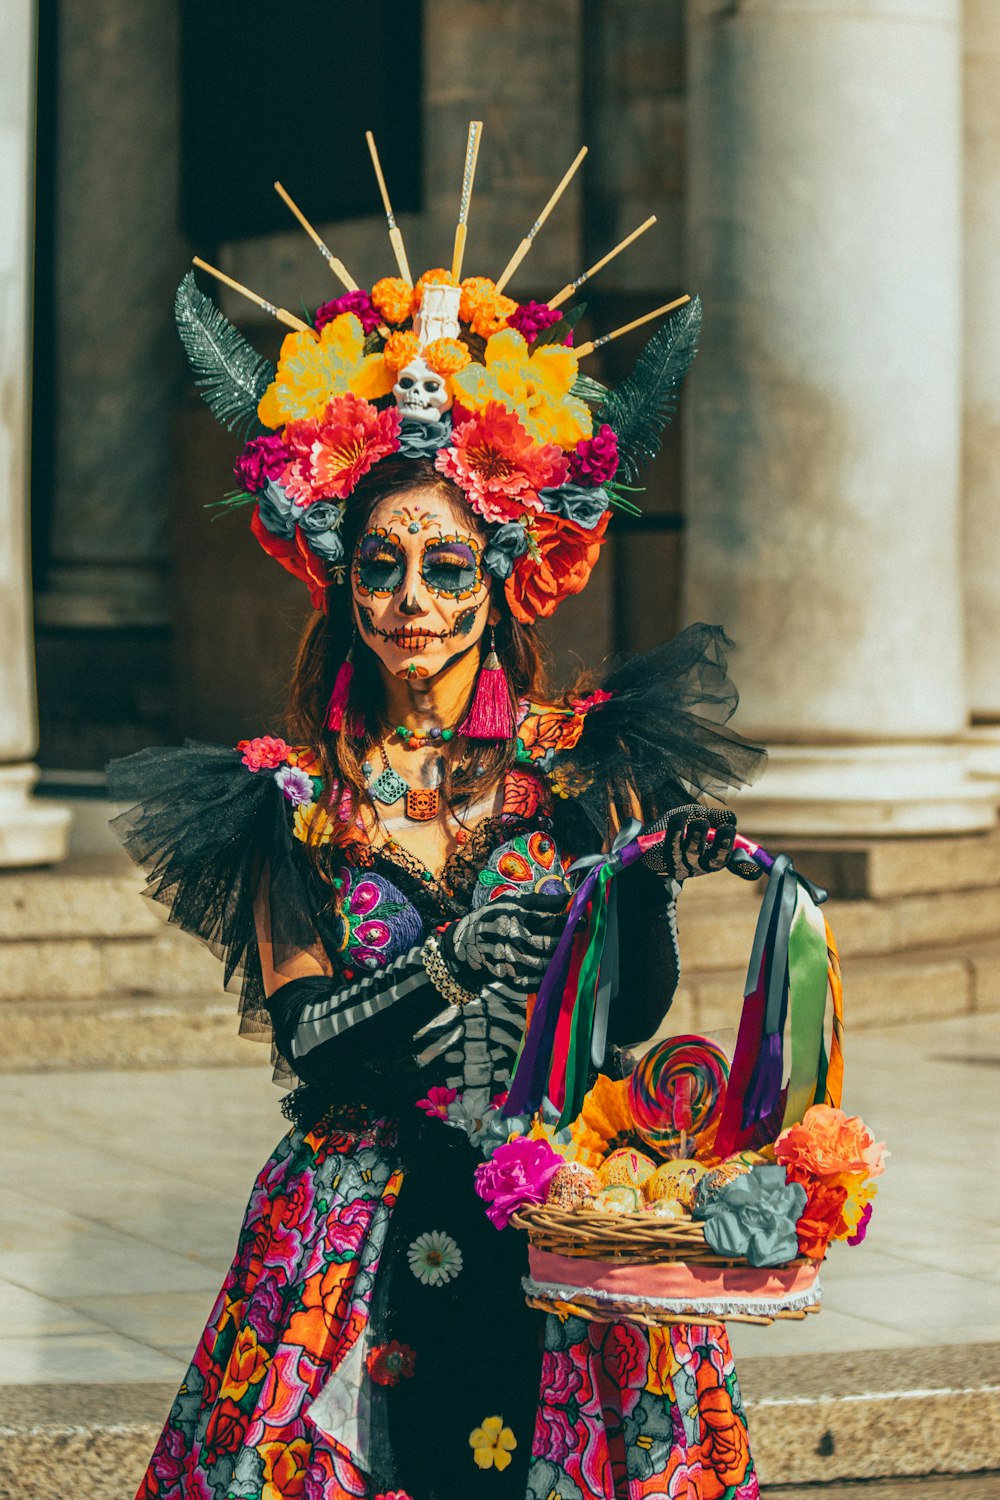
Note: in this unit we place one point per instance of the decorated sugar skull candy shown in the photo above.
(422, 395)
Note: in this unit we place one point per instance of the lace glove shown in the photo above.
(512, 940)
(687, 849)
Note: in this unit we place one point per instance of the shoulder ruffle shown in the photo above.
(657, 732)
(208, 825)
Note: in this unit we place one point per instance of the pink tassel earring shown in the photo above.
(337, 706)
(490, 716)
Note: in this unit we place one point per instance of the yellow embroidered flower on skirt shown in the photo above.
(605, 1121)
(492, 1444)
(312, 370)
(534, 386)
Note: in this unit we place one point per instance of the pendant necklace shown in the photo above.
(422, 802)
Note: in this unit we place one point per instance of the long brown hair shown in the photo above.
(328, 636)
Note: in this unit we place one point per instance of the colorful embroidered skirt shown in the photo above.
(371, 1339)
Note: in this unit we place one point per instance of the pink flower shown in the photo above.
(594, 460)
(437, 1101)
(532, 318)
(517, 1173)
(329, 454)
(357, 302)
(498, 464)
(394, 1495)
(262, 459)
(862, 1229)
(265, 753)
(582, 706)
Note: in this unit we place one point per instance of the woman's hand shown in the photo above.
(513, 939)
(697, 841)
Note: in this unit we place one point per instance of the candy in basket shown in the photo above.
(694, 1190)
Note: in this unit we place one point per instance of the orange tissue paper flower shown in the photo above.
(827, 1142)
(446, 356)
(399, 349)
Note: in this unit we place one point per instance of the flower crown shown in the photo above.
(447, 369)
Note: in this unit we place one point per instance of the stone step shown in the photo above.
(142, 1032)
(881, 867)
(813, 1421)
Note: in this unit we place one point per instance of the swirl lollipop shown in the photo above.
(677, 1090)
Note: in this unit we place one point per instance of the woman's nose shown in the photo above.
(414, 600)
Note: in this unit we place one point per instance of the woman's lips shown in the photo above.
(412, 638)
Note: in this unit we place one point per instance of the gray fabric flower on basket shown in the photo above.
(755, 1217)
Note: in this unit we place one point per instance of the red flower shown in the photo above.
(499, 465)
(558, 563)
(265, 753)
(225, 1430)
(387, 1363)
(583, 706)
(329, 454)
(296, 557)
(821, 1219)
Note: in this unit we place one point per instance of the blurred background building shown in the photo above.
(824, 174)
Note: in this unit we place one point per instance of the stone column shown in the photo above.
(30, 833)
(824, 234)
(981, 327)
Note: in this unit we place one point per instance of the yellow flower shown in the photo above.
(306, 815)
(860, 1192)
(584, 1148)
(246, 1366)
(285, 1467)
(492, 1444)
(534, 386)
(604, 1122)
(311, 370)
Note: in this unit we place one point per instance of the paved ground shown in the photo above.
(122, 1194)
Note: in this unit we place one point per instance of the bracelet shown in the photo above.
(440, 975)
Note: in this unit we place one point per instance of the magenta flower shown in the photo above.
(862, 1229)
(262, 459)
(532, 318)
(595, 460)
(516, 1174)
(295, 784)
(437, 1101)
(357, 302)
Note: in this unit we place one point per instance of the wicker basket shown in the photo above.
(634, 1268)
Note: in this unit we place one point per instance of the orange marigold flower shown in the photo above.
(491, 317)
(393, 298)
(446, 356)
(399, 349)
(476, 290)
(437, 277)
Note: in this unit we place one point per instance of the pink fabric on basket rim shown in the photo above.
(666, 1279)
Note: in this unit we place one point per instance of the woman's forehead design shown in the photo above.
(416, 516)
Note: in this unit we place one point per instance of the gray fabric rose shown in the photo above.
(508, 542)
(584, 506)
(276, 510)
(421, 439)
(320, 525)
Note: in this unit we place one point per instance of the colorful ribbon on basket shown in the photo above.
(793, 972)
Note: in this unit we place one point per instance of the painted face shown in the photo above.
(421, 597)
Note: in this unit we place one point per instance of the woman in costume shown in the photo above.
(390, 882)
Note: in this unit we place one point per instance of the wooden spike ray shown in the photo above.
(468, 177)
(395, 235)
(281, 313)
(526, 243)
(584, 349)
(574, 286)
(338, 268)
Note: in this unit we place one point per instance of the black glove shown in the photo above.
(686, 850)
(513, 939)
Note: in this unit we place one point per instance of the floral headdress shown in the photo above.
(449, 369)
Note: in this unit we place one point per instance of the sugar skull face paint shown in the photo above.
(420, 594)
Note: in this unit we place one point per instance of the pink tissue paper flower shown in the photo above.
(517, 1173)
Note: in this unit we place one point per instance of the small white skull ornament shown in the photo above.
(421, 394)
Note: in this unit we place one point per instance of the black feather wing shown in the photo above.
(230, 374)
(645, 401)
